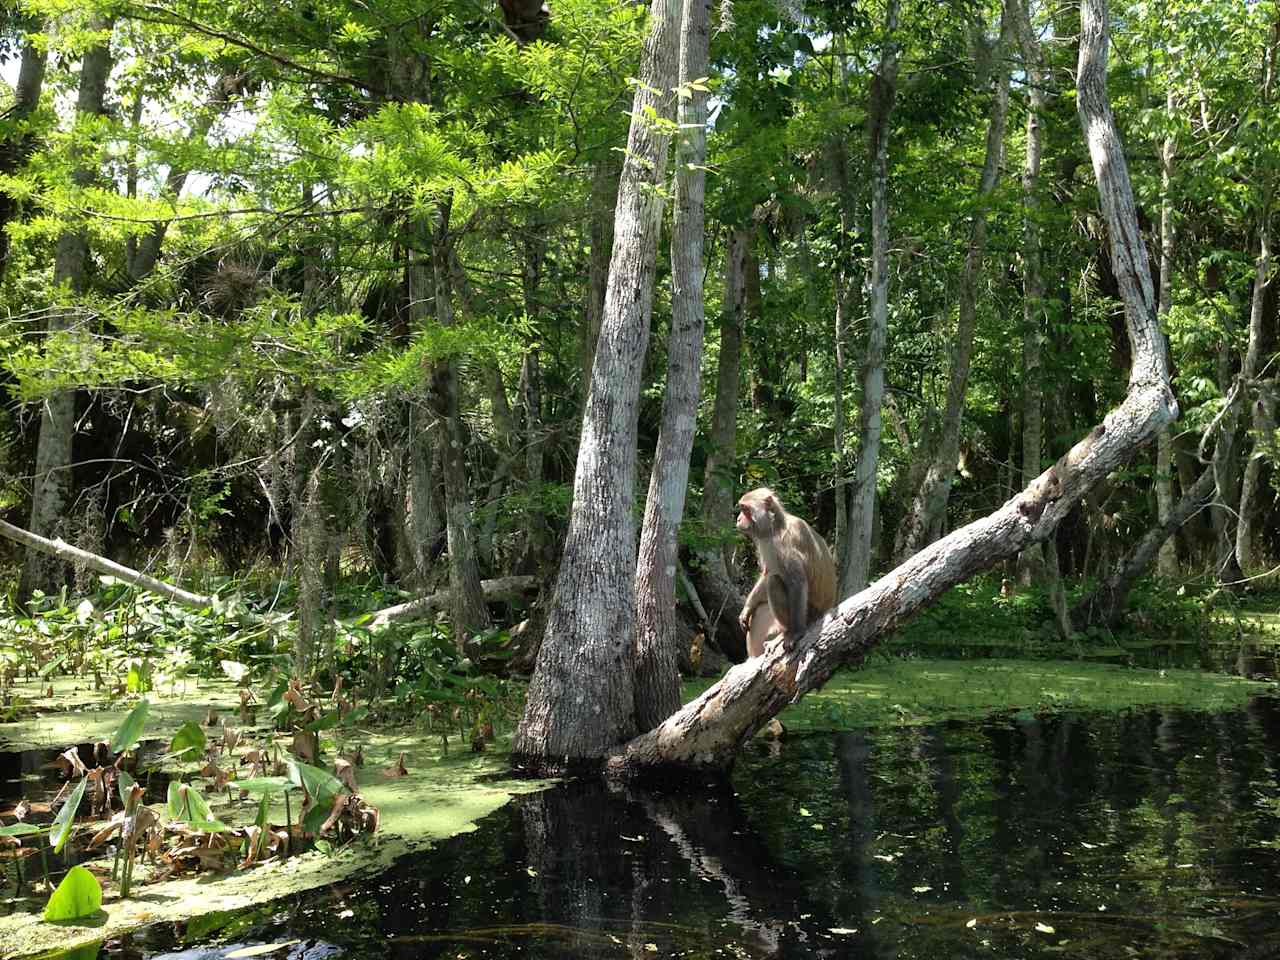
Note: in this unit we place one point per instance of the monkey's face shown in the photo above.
(753, 517)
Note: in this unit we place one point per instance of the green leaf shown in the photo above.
(19, 830)
(189, 742)
(263, 786)
(124, 783)
(129, 733)
(320, 784)
(185, 803)
(324, 722)
(234, 669)
(63, 823)
(79, 895)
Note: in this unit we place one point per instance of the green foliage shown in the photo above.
(79, 895)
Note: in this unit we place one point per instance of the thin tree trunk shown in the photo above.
(1031, 563)
(657, 641)
(716, 585)
(1168, 560)
(470, 614)
(1247, 527)
(145, 257)
(707, 732)
(52, 481)
(884, 84)
(1226, 473)
(929, 507)
(537, 534)
(604, 199)
(581, 697)
(1106, 605)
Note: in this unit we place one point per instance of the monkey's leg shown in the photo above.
(762, 625)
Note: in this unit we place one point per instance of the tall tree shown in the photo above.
(581, 697)
(15, 148)
(657, 674)
(856, 573)
(52, 480)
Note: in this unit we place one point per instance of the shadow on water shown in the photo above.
(1147, 834)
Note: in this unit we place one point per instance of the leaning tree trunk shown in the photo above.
(1105, 606)
(469, 613)
(856, 573)
(929, 506)
(52, 481)
(707, 732)
(657, 640)
(719, 592)
(581, 698)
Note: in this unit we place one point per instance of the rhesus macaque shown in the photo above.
(797, 572)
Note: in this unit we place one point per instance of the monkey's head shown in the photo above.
(760, 514)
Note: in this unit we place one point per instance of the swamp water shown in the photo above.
(1143, 834)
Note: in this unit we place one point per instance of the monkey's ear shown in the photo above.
(771, 503)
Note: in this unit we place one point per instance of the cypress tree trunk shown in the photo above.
(581, 697)
(656, 652)
(857, 571)
(929, 507)
(604, 199)
(470, 613)
(52, 482)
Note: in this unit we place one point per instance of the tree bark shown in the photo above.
(1250, 482)
(1031, 563)
(581, 697)
(52, 482)
(470, 614)
(1106, 605)
(657, 641)
(604, 200)
(707, 732)
(856, 573)
(1167, 565)
(929, 506)
(502, 588)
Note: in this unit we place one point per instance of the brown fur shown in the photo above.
(797, 572)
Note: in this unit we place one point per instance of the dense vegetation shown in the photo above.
(301, 303)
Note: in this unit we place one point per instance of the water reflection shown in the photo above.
(1152, 834)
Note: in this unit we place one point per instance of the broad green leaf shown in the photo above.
(129, 733)
(189, 742)
(62, 824)
(19, 830)
(186, 803)
(263, 786)
(320, 784)
(78, 895)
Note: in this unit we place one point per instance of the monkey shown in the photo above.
(797, 572)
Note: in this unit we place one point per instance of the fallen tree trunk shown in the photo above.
(503, 588)
(62, 550)
(707, 732)
(1106, 605)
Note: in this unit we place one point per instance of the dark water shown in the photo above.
(1149, 834)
